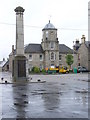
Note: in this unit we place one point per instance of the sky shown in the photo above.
(70, 17)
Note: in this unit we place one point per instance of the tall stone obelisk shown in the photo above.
(19, 61)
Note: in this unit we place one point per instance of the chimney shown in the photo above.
(3, 59)
(77, 45)
(83, 39)
(77, 41)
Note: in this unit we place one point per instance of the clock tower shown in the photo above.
(50, 45)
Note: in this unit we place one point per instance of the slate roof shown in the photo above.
(7, 63)
(2, 63)
(65, 49)
(37, 48)
(33, 48)
(49, 26)
(87, 43)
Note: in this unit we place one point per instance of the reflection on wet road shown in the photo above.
(58, 97)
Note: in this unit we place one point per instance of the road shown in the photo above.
(60, 96)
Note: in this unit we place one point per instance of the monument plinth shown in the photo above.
(19, 61)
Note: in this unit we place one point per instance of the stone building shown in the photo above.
(4, 65)
(83, 50)
(83, 47)
(48, 53)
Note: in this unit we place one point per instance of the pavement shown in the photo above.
(54, 96)
(6, 78)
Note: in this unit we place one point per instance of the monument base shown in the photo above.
(19, 69)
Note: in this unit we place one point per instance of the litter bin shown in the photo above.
(75, 70)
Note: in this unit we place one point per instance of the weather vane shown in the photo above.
(50, 17)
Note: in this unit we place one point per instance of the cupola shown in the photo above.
(49, 26)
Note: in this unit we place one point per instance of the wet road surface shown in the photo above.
(61, 96)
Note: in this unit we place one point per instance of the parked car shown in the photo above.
(82, 69)
(63, 70)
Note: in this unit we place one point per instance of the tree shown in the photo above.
(69, 59)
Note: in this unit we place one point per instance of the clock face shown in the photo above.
(51, 33)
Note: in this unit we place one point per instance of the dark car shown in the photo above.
(82, 69)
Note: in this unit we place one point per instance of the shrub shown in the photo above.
(35, 70)
(43, 71)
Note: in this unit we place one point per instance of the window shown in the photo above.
(52, 45)
(30, 67)
(52, 56)
(46, 38)
(41, 57)
(55, 56)
(60, 57)
(49, 56)
(30, 57)
(46, 34)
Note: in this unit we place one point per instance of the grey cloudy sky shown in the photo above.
(70, 17)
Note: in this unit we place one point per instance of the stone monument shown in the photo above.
(19, 60)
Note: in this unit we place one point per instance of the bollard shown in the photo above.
(2, 78)
(38, 80)
(6, 82)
